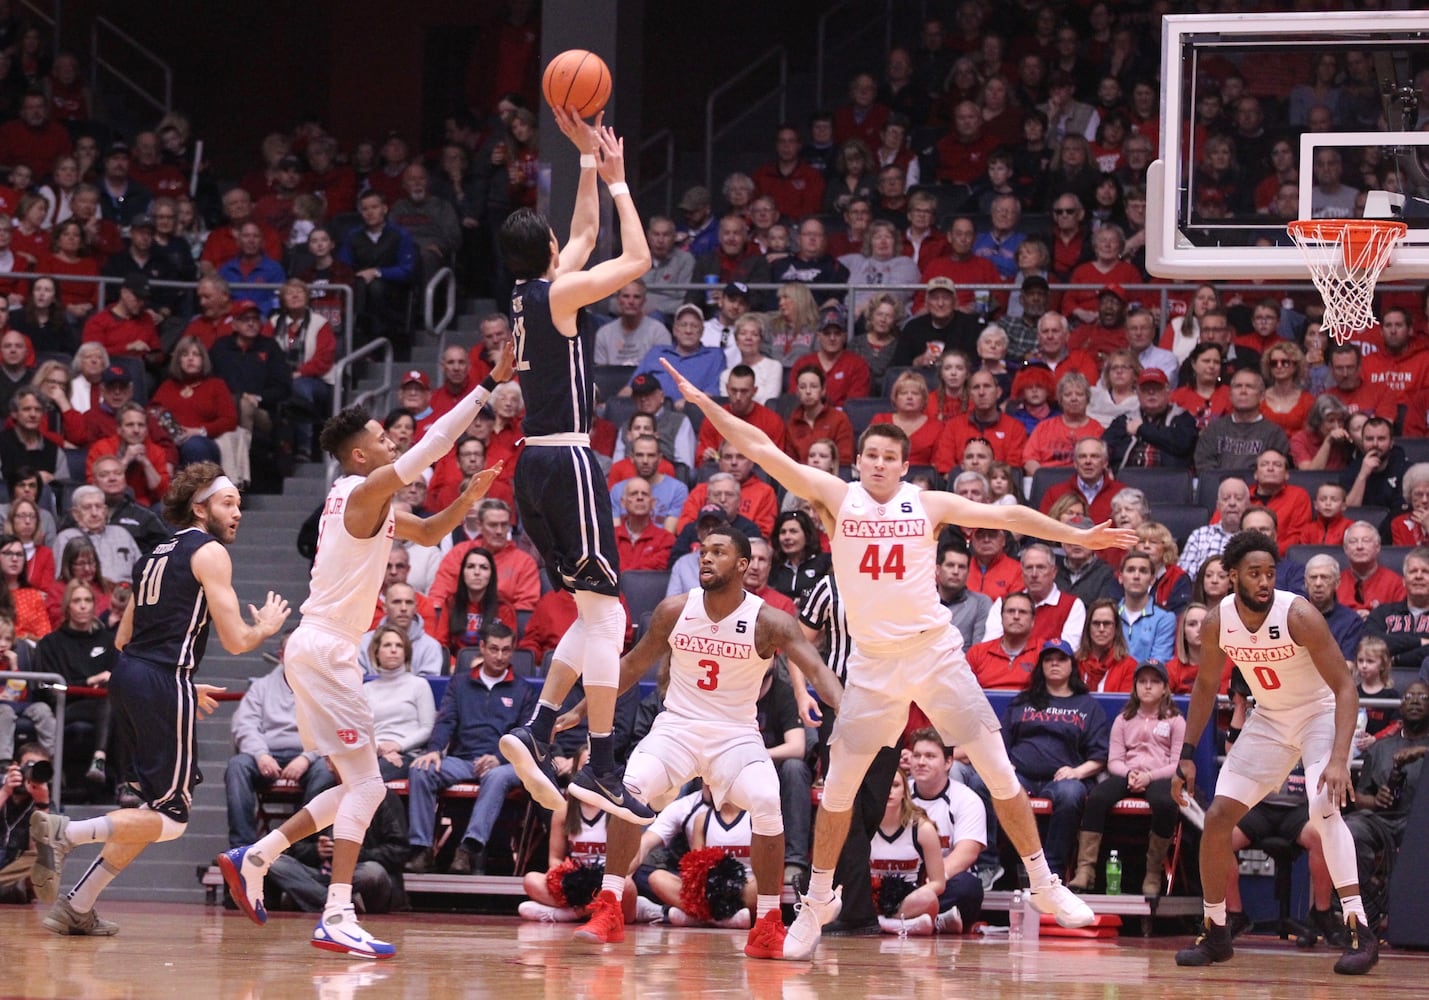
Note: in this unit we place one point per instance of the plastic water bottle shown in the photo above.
(1014, 916)
(1361, 726)
(1031, 919)
(1113, 875)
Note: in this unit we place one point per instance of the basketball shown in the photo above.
(579, 79)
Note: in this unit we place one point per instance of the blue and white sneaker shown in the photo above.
(246, 892)
(341, 933)
(532, 760)
(608, 792)
(47, 834)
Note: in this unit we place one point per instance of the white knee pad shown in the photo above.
(604, 635)
(570, 648)
(988, 755)
(757, 791)
(170, 829)
(357, 808)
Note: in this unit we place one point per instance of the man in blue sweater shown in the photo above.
(479, 707)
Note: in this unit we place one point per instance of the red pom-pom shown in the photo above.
(555, 877)
(694, 872)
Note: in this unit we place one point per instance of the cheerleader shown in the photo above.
(905, 842)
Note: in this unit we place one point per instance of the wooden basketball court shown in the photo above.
(192, 952)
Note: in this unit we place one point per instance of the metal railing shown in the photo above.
(60, 687)
(780, 58)
(443, 279)
(50, 19)
(826, 51)
(102, 29)
(663, 139)
(340, 398)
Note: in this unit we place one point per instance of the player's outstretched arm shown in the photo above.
(574, 288)
(1308, 628)
(1203, 699)
(585, 217)
(805, 663)
(949, 508)
(754, 444)
(214, 570)
(431, 530)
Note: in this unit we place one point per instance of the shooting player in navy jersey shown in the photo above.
(179, 588)
(560, 491)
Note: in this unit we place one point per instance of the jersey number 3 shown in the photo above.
(151, 582)
(870, 564)
(710, 680)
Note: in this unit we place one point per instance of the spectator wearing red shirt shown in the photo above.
(1364, 583)
(1052, 351)
(757, 502)
(845, 374)
(147, 167)
(1412, 526)
(796, 187)
(275, 209)
(1108, 332)
(517, 575)
(1056, 614)
(1105, 269)
(101, 236)
(200, 404)
(1402, 367)
(863, 117)
(214, 320)
(1351, 388)
(456, 379)
(1006, 435)
(963, 152)
(32, 139)
(1102, 658)
(325, 271)
(101, 419)
(963, 266)
(814, 419)
(222, 243)
(126, 329)
(756, 577)
(414, 394)
(1069, 242)
(310, 346)
(1329, 525)
(1006, 662)
(991, 570)
(334, 183)
(68, 256)
(909, 394)
(1091, 480)
(146, 466)
(740, 388)
(641, 543)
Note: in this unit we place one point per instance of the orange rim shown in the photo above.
(1355, 236)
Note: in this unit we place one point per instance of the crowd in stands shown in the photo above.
(995, 159)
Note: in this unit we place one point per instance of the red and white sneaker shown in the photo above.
(607, 921)
(766, 937)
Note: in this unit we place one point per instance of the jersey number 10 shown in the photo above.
(151, 582)
(872, 565)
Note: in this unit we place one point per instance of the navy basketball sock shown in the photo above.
(602, 754)
(544, 721)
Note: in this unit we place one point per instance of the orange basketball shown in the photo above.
(577, 78)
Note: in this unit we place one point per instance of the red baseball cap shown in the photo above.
(1116, 290)
(420, 377)
(1153, 376)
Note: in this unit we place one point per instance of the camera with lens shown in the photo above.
(41, 772)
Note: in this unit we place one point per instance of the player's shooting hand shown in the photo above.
(1105, 536)
(1184, 778)
(481, 482)
(1336, 782)
(576, 129)
(207, 703)
(271, 616)
(611, 164)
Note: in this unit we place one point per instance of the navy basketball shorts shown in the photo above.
(154, 707)
(565, 509)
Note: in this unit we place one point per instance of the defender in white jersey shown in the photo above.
(354, 539)
(883, 536)
(720, 641)
(1305, 708)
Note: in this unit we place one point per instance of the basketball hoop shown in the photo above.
(1345, 258)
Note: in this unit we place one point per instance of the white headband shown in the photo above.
(222, 482)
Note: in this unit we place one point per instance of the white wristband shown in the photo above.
(619, 188)
(587, 161)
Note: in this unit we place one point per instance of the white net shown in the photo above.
(1345, 258)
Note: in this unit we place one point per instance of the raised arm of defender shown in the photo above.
(949, 508)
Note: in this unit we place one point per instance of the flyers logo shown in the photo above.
(348, 736)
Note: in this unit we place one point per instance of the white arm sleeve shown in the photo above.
(441, 435)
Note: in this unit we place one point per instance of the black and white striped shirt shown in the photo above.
(823, 610)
